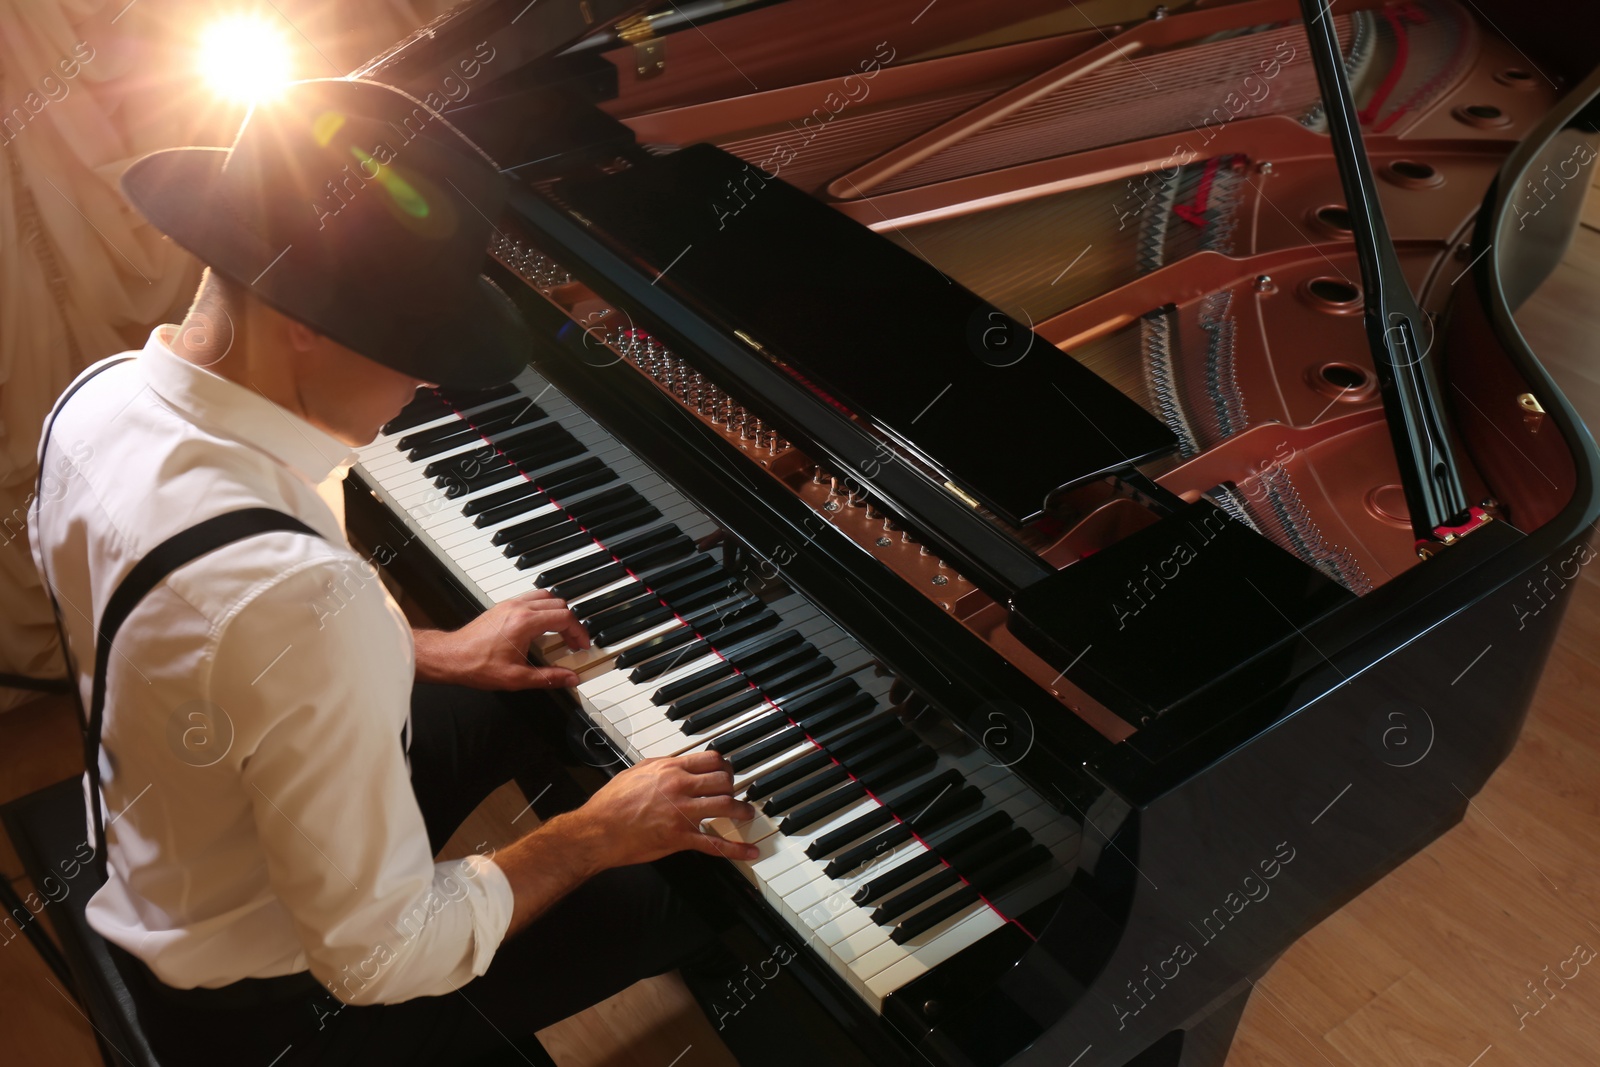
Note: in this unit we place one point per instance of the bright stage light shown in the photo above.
(244, 58)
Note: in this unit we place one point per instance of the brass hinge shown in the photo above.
(649, 52)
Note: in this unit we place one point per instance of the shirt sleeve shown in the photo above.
(316, 673)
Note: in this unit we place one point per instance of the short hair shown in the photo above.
(219, 293)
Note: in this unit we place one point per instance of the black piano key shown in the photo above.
(501, 497)
(454, 485)
(621, 550)
(548, 458)
(510, 510)
(502, 444)
(914, 800)
(658, 578)
(533, 531)
(569, 487)
(751, 732)
(980, 854)
(424, 407)
(581, 531)
(569, 510)
(461, 463)
(421, 438)
(773, 690)
(839, 688)
(442, 439)
(827, 805)
(538, 494)
(561, 479)
(528, 445)
(787, 659)
(790, 773)
(467, 399)
(934, 914)
(803, 786)
(645, 599)
(763, 750)
(793, 784)
(671, 650)
(511, 413)
(935, 813)
(889, 912)
(712, 619)
(860, 826)
(881, 885)
(598, 533)
(905, 803)
(743, 655)
(999, 876)
(903, 764)
(470, 474)
(852, 860)
(585, 584)
(818, 716)
(617, 570)
(837, 714)
(877, 741)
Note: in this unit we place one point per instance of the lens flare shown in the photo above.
(244, 58)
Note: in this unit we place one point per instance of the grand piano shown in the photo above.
(1081, 465)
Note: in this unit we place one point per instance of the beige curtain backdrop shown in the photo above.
(86, 88)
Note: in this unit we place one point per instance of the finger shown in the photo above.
(533, 596)
(711, 784)
(548, 620)
(704, 762)
(525, 622)
(712, 845)
(722, 807)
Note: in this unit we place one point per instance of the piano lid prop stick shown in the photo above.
(1398, 332)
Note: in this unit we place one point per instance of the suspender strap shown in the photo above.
(38, 503)
(177, 550)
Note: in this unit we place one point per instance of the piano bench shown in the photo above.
(48, 829)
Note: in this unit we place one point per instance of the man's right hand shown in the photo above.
(651, 810)
(655, 808)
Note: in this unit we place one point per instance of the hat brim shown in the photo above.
(480, 340)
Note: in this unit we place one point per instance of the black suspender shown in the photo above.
(149, 572)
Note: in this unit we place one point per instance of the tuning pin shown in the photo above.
(857, 497)
(818, 477)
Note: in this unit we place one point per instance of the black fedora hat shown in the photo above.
(357, 210)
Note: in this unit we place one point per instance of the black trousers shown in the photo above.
(614, 930)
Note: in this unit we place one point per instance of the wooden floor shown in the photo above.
(1455, 960)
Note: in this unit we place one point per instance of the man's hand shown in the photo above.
(655, 808)
(651, 810)
(491, 651)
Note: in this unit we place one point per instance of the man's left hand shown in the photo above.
(491, 651)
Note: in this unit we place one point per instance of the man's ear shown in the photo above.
(302, 337)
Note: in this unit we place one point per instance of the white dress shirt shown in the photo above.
(259, 809)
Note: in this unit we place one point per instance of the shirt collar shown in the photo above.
(233, 410)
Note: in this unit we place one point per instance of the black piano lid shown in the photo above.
(993, 407)
(1151, 623)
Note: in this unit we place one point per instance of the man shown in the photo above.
(266, 839)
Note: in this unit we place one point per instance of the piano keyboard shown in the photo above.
(887, 844)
